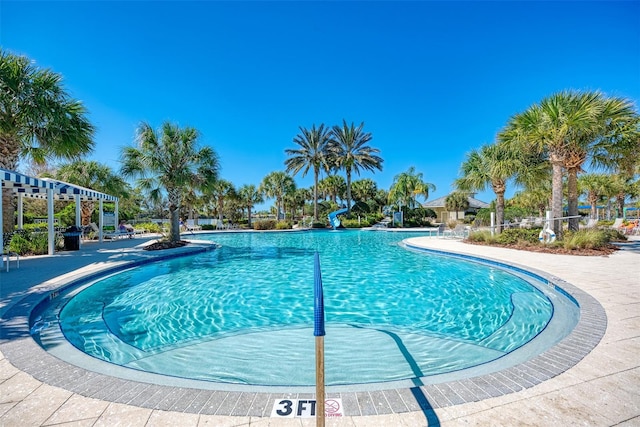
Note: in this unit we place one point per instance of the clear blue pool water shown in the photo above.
(243, 313)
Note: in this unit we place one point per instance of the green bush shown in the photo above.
(265, 224)
(208, 227)
(151, 226)
(585, 239)
(512, 236)
(318, 224)
(284, 225)
(354, 223)
(20, 244)
(482, 236)
(30, 243)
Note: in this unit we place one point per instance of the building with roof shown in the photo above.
(443, 215)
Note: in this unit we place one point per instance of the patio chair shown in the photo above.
(617, 224)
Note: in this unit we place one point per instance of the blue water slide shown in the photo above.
(333, 217)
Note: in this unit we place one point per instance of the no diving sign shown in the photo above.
(305, 408)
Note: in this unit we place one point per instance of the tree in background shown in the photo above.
(349, 151)
(38, 120)
(249, 196)
(406, 188)
(491, 165)
(312, 153)
(91, 174)
(220, 190)
(276, 185)
(333, 186)
(456, 202)
(594, 186)
(169, 161)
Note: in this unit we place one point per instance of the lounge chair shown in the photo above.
(591, 223)
(459, 232)
(617, 224)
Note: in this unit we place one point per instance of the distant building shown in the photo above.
(443, 215)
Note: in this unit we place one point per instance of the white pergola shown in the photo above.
(51, 189)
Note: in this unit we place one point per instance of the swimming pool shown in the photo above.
(243, 314)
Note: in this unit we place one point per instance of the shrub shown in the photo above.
(318, 224)
(265, 224)
(208, 227)
(513, 236)
(482, 236)
(353, 223)
(283, 225)
(30, 243)
(585, 239)
(19, 244)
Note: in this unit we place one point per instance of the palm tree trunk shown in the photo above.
(315, 194)
(556, 196)
(572, 196)
(620, 197)
(9, 156)
(348, 192)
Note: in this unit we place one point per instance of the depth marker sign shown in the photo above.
(306, 408)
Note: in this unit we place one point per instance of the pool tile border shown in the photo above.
(24, 353)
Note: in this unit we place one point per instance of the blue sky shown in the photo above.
(430, 80)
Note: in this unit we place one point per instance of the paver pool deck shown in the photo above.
(601, 389)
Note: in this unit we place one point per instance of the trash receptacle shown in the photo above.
(72, 238)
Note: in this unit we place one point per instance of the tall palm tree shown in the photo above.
(312, 153)
(249, 196)
(349, 151)
(91, 174)
(406, 188)
(595, 186)
(276, 185)
(568, 126)
(38, 120)
(169, 160)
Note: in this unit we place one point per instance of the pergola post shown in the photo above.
(20, 211)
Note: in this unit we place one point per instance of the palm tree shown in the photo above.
(406, 188)
(364, 189)
(595, 186)
(249, 196)
(569, 126)
(349, 152)
(457, 201)
(311, 154)
(333, 186)
(38, 120)
(91, 174)
(220, 190)
(294, 200)
(276, 185)
(170, 161)
(491, 165)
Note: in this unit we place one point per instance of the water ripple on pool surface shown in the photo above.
(241, 313)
